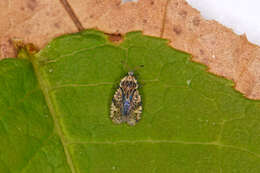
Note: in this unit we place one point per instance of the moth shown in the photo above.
(126, 103)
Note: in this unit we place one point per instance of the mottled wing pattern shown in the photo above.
(136, 107)
(115, 110)
(126, 103)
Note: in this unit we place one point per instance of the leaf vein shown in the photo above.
(214, 143)
(44, 85)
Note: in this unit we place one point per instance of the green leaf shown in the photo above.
(54, 111)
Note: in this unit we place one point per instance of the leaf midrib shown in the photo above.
(45, 86)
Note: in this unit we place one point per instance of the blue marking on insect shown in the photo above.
(126, 107)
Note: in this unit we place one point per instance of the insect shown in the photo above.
(126, 103)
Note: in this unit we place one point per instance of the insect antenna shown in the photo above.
(127, 68)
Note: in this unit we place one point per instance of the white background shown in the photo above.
(243, 16)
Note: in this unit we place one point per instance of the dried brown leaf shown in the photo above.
(35, 21)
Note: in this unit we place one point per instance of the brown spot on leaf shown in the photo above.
(177, 29)
(118, 4)
(10, 41)
(31, 48)
(144, 21)
(183, 13)
(31, 4)
(151, 2)
(7, 50)
(27, 31)
(115, 38)
(19, 44)
(196, 21)
(201, 52)
(57, 25)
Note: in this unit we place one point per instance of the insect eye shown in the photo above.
(130, 73)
